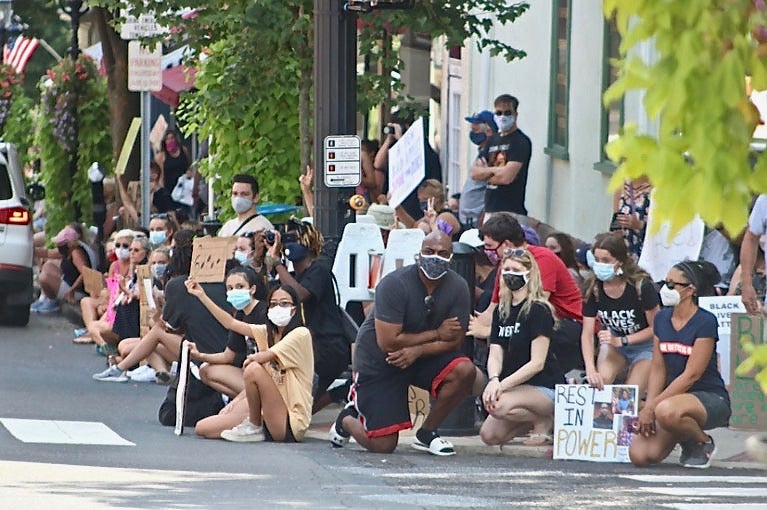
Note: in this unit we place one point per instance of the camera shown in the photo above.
(388, 130)
(269, 237)
(288, 237)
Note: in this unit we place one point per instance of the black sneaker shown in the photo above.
(700, 454)
(338, 435)
(687, 448)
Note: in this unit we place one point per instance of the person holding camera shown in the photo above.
(244, 199)
(313, 282)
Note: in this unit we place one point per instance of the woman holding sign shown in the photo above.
(624, 300)
(685, 394)
(519, 396)
(278, 378)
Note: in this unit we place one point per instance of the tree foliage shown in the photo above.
(15, 112)
(74, 101)
(700, 162)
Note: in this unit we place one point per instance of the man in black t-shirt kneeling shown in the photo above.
(412, 337)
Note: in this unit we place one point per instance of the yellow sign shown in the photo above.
(130, 139)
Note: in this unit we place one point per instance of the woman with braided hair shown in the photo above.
(685, 392)
(313, 282)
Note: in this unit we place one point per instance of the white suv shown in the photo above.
(16, 248)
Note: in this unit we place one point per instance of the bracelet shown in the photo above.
(495, 377)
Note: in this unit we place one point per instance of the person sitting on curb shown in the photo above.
(412, 337)
(685, 395)
(278, 378)
(519, 396)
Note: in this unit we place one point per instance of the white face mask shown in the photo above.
(669, 297)
(280, 316)
(504, 122)
(241, 204)
(123, 253)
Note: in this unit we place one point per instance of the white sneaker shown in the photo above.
(144, 373)
(245, 432)
(111, 374)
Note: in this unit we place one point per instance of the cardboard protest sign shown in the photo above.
(157, 133)
(146, 299)
(209, 255)
(419, 404)
(594, 425)
(407, 163)
(93, 281)
(749, 408)
(723, 307)
(181, 390)
(127, 148)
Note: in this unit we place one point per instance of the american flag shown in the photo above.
(18, 52)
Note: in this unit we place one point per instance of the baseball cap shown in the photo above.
(66, 235)
(472, 238)
(483, 117)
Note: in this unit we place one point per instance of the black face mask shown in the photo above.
(514, 281)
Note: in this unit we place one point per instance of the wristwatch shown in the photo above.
(624, 341)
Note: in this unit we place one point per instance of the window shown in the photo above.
(612, 114)
(560, 79)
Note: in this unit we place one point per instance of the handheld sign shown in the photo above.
(723, 307)
(181, 390)
(127, 148)
(749, 407)
(93, 281)
(209, 255)
(594, 425)
(407, 164)
(146, 300)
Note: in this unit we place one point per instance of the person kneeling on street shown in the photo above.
(412, 337)
(519, 396)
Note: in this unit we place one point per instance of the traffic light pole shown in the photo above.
(335, 106)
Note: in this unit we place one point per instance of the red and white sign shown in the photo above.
(144, 67)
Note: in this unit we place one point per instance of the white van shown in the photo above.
(16, 248)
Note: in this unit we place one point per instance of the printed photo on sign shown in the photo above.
(594, 425)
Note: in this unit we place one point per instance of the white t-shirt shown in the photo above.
(183, 192)
(258, 223)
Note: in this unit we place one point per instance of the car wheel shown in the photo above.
(15, 315)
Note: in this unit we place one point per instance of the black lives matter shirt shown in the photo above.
(626, 314)
(515, 335)
(500, 150)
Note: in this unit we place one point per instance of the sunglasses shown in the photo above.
(504, 112)
(428, 302)
(122, 245)
(671, 284)
(160, 216)
(514, 252)
(281, 304)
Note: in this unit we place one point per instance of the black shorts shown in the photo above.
(717, 409)
(382, 399)
(289, 437)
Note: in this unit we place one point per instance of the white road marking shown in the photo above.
(696, 479)
(702, 492)
(63, 432)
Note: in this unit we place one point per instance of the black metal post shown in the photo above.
(75, 9)
(335, 106)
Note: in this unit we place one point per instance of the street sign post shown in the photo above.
(342, 161)
(143, 26)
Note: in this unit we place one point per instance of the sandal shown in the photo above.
(82, 339)
(538, 440)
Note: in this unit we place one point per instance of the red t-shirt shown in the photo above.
(564, 295)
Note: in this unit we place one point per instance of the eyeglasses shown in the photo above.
(428, 302)
(514, 252)
(505, 112)
(671, 284)
(281, 304)
(122, 245)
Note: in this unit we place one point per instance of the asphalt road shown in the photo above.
(44, 376)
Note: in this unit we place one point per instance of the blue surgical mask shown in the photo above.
(157, 237)
(477, 137)
(241, 257)
(295, 252)
(604, 271)
(238, 298)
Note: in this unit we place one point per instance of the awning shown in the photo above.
(174, 81)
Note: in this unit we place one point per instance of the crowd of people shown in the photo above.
(268, 346)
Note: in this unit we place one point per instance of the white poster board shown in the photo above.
(181, 390)
(407, 164)
(594, 425)
(659, 252)
(723, 307)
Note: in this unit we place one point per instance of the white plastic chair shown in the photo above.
(403, 246)
(352, 263)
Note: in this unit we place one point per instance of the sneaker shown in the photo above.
(700, 454)
(245, 432)
(430, 441)
(144, 373)
(687, 447)
(38, 302)
(112, 374)
(338, 435)
(48, 306)
(79, 332)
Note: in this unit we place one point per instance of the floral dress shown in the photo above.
(635, 201)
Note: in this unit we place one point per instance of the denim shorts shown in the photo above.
(636, 352)
(717, 409)
(546, 391)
